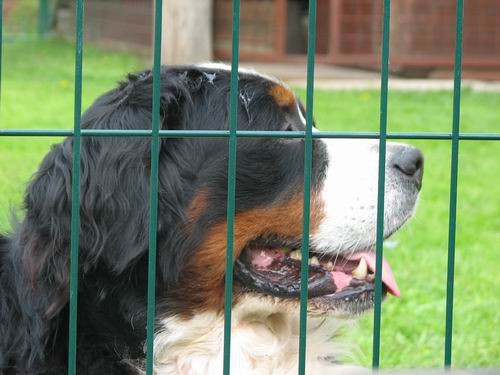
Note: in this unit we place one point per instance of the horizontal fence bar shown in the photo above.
(246, 134)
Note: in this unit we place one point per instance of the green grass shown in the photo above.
(413, 326)
(37, 92)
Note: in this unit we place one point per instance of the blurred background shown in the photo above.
(348, 31)
(38, 87)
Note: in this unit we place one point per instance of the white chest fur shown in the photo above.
(264, 341)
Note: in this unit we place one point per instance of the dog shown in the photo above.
(191, 232)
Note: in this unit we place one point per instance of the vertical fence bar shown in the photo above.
(43, 17)
(1, 46)
(75, 192)
(231, 186)
(453, 184)
(311, 49)
(153, 195)
(381, 184)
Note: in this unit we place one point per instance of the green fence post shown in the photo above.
(43, 17)
(304, 272)
(153, 195)
(231, 186)
(1, 46)
(75, 192)
(453, 183)
(384, 91)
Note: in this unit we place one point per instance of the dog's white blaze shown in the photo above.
(264, 340)
(301, 115)
(349, 195)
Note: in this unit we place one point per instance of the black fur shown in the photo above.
(34, 261)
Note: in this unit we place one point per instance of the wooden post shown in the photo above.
(187, 31)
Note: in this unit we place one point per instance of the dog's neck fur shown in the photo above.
(264, 340)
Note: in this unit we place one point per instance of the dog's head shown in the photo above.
(193, 196)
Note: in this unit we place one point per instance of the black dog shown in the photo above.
(115, 174)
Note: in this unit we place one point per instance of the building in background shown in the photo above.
(348, 32)
(129, 24)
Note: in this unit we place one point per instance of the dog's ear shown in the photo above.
(44, 235)
(114, 205)
(115, 171)
(114, 190)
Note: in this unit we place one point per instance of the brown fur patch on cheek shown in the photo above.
(197, 206)
(282, 95)
(202, 283)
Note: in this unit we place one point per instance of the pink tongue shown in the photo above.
(387, 275)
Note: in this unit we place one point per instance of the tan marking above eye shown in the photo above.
(282, 95)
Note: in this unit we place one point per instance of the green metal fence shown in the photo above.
(44, 17)
(233, 134)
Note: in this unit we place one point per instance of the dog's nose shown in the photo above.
(410, 162)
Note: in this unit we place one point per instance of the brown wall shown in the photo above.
(123, 24)
(349, 32)
(8, 5)
(426, 28)
(257, 27)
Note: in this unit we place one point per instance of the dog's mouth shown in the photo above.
(335, 283)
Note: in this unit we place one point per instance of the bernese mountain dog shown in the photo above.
(115, 175)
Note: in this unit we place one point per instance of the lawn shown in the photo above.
(37, 92)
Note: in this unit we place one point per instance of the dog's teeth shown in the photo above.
(314, 261)
(328, 266)
(296, 254)
(361, 270)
